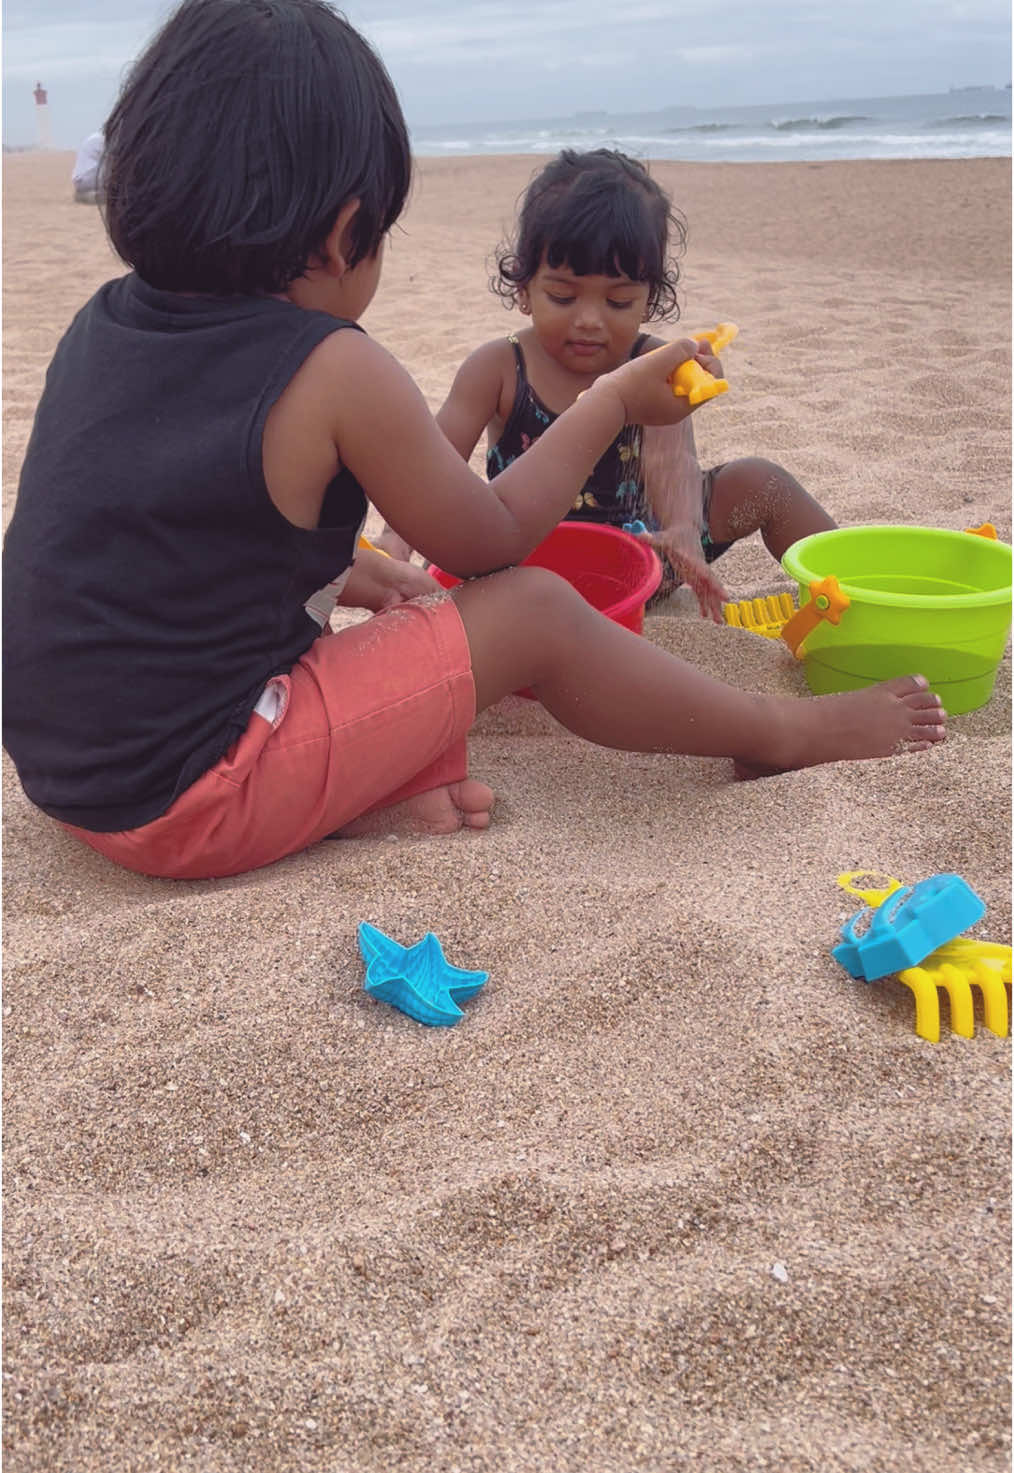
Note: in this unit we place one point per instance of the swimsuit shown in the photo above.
(613, 493)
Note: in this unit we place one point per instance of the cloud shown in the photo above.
(73, 52)
(71, 45)
(529, 34)
(525, 59)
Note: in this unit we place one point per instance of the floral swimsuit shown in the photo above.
(613, 492)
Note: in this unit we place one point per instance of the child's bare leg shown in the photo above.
(755, 495)
(527, 627)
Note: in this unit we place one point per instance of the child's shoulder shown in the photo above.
(489, 361)
(497, 351)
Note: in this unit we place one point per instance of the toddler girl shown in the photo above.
(595, 257)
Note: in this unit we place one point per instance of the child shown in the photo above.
(592, 260)
(196, 484)
(85, 175)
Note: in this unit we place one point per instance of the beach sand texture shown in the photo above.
(676, 1193)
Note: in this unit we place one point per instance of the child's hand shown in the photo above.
(705, 356)
(682, 546)
(402, 581)
(377, 582)
(643, 384)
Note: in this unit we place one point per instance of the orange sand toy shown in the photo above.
(691, 381)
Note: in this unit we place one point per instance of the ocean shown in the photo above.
(970, 122)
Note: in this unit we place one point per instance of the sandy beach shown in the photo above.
(676, 1193)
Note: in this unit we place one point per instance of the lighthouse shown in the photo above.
(42, 133)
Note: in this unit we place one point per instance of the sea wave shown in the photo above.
(932, 126)
(970, 120)
(705, 128)
(800, 125)
(955, 143)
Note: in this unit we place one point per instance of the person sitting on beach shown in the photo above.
(594, 257)
(87, 167)
(173, 693)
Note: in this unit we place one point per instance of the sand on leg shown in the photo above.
(756, 495)
(528, 627)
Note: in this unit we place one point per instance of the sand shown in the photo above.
(676, 1193)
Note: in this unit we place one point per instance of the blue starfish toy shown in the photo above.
(416, 979)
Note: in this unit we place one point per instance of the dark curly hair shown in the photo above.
(601, 214)
(239, 134)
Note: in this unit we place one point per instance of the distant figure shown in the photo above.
(43, 139)
(87, 167)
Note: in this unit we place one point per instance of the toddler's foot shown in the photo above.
(900, 715)
(464, 805)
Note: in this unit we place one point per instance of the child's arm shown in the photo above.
(473, 400)
(673, 485)
(475, 395)
(351, 403)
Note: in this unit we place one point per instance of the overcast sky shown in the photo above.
(494, 61)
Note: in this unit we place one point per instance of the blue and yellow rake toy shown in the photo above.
(912, 931)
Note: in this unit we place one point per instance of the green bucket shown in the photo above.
(921, 600)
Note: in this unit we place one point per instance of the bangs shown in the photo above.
(598, 258)
(605, 233)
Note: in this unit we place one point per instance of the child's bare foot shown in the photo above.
(900, 715)
(439, 811)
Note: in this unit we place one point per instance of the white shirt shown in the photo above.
(85, 173)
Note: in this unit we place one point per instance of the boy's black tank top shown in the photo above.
(150, 585)
(613, 491)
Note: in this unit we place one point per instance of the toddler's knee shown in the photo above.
(759, 469)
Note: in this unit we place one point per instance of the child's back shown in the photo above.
(117, 569)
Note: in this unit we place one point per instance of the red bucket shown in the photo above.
(615, 572)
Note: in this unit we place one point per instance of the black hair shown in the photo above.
(239, 134)
(601, 214)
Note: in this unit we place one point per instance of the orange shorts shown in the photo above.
(368, 717)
